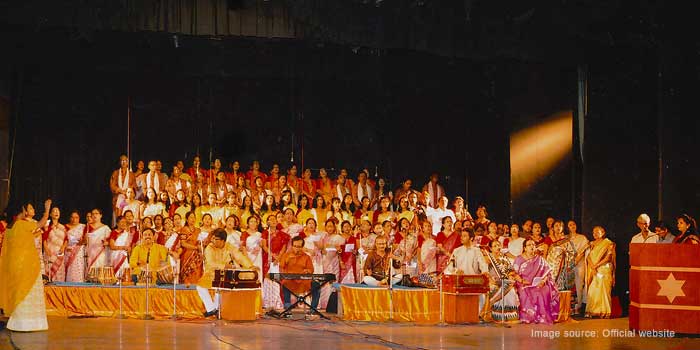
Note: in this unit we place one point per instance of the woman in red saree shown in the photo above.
(365, 211)
(324, 185)
(347, 252)
(274, 244)
(191, 263)
(308, 185)
(447, 241)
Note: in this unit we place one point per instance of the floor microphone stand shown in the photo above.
(176, 280)
(86, 268)
(391, 280)
(147, 315)
(120, 281)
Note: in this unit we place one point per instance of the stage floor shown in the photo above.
(299, 334)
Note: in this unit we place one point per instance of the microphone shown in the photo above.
(454, 264)
(148, 256)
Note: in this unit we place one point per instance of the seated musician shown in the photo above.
(147, 253)
(467, 259)
(219, 255)
(296, 261)
(378, 265)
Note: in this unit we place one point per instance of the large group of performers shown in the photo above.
(184, 226)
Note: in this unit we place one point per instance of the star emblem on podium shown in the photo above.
(671, 288)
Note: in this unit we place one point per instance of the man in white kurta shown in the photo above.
(219, 255)
(468, 260)
(435, 215)
(644, 235)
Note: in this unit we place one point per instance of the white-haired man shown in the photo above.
(645, 235)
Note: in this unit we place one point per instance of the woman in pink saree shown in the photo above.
(332, 248)
(539, 298)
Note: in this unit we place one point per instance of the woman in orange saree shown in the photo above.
(21, 285)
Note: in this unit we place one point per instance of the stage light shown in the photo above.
(537, 150)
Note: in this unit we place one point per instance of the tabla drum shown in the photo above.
(125, 277)
(93, 273)
(143, 278)
(165, 275)
(106, 275)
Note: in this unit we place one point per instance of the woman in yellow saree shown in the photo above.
(21, 285)
(600, 275)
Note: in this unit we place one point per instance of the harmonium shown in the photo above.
(233, 278)
(465, 284)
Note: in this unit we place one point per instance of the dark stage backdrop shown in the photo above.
(397, 113)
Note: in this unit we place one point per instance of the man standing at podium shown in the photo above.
(644, 235)
(468, 260)
(219, 255)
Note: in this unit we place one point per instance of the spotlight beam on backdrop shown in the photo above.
(537, 150)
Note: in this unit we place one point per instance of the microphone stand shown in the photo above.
(86, 268)
(176, 280)
(147, 315)
(391, 289)
(120, 281)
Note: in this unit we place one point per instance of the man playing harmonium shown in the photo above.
(468, 260)
(150, 253)
(296, 261)
(219, 255)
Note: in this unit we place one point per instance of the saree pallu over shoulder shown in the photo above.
(19, 265)
(561, 258)
(600, 281)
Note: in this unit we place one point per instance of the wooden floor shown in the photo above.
(299, 334)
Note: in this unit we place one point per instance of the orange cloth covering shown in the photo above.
(372, 304)
(19, 265)
(407, 304)
(104, 301)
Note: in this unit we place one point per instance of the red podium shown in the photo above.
(664, 284)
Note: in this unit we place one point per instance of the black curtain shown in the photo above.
(398, 113)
